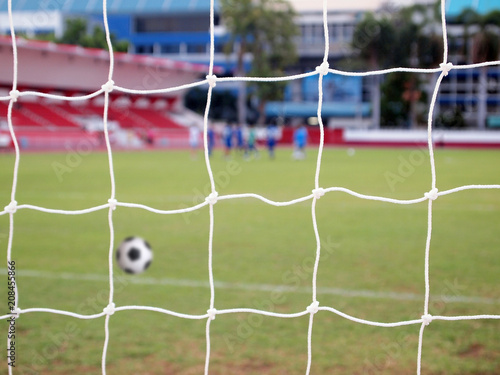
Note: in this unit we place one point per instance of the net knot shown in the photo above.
(108, 86)
(433, 194)
(212, 80)
(112, 203)
(427, 319)
(211, 313)
(11, 208)
(212, 198)
(313, 307)
(14, 94)
(323, 68)
(446, 67)
(16, 312)
(318, 193)
(110, 309)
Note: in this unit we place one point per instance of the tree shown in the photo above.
(76, 32)
(485, 48)
(421, 40)
(265, 30)
(374, 40)
(482, 32)
(403, 38)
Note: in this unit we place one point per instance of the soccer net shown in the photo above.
(12, 207)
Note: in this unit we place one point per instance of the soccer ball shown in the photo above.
(134, 255)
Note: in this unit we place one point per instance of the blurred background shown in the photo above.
(167, 43)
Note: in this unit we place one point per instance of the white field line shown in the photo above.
(140, 280)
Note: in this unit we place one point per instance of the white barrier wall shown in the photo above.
(417, 137)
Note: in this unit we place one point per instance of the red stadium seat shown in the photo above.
(51, 114)
(20, 117)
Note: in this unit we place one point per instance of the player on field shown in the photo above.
(251, 143)
(227, 137)
(272, 138)
(300, 141)
(194, 139)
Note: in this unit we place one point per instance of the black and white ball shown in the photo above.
(134, 255)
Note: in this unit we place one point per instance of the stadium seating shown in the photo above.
(20, 117)
(65, 115)
(155, 118)
(51, 114)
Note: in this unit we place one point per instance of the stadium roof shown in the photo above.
(96, 53)
(114, 6)
(68, 67)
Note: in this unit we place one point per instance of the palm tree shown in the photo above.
(485, 47)
(429, 44)
(408, 39)
(266, 30)
(374, 40)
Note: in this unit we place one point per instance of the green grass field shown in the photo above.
(372, 264)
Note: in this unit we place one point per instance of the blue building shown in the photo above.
(474, 93)
(179, 29)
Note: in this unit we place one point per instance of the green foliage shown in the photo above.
(76, 32)
(395, 105)
(430, 50)
(485, 46)
(399, 40)
(468, 17)
(492, 18)
(485, 42)
(375, 39)
(393, 110)
(452, 119)
(404, 38)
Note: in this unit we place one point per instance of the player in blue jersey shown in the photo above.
(300, 141)
(272, 139)
(238, 135)
(227, 138)
(210, 139)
